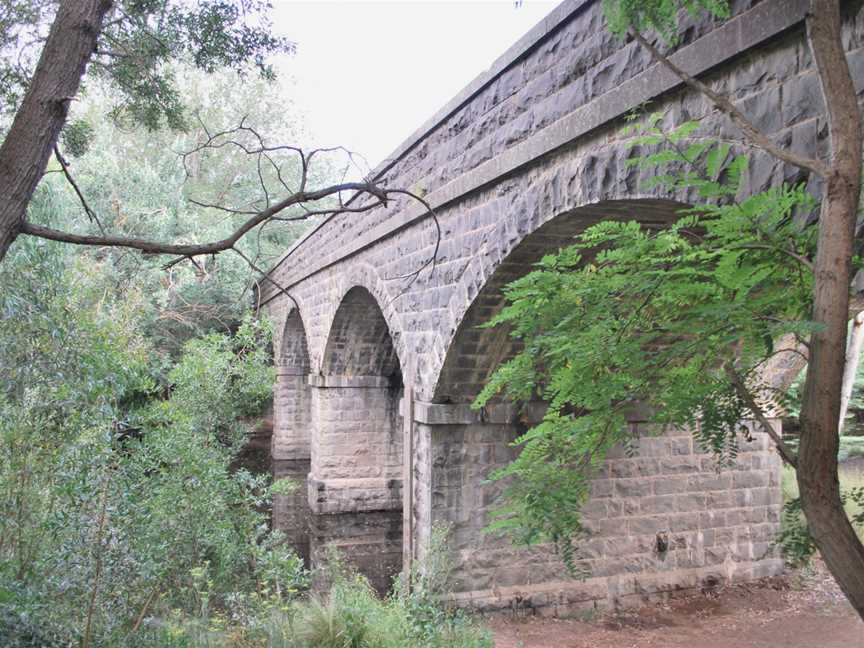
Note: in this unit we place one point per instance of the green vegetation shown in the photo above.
(795, 540)
(127, 392)
(113, 466)
(632, 315)
(122, 520)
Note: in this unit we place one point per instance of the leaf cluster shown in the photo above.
(659, 325)
(661, 16)
(139, 43)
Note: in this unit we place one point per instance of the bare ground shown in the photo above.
(801, 610)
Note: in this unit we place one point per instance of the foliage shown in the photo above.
(794, 540)
(354, 617)
(632, 315)
(118, 499)
(349, 615)
(661, 16)
(139, 41)
(137, 182)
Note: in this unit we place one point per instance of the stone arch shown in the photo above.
(291, 402)
(362, 278)
(355, 482)
(359, 342)
(472, 352)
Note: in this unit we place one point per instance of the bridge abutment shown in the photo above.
(660, 521)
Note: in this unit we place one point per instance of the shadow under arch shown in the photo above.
(359, 342)
(475, 352)
(355, 482)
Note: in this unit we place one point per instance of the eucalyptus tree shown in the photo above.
(130, 44)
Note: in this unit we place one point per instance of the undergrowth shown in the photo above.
(348, 615)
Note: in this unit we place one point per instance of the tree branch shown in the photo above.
(185, 250)
(745, 395)
(724, 105)
(64, 166)
(793, 255)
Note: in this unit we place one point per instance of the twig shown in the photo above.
(98, 573)
(266, 276)
(64, 166)
(144, 609)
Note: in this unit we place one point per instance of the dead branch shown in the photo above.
(194, 249)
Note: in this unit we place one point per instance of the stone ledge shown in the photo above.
(568, 598)
(463, 414)
(365, 494)
(360, 382)
(728, 41)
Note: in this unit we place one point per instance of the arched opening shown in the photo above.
(292, 433)
(475, 351)
(356, 477)
(464, 452)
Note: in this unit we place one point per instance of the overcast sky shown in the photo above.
(371, 72)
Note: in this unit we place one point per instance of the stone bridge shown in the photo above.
(376, 371)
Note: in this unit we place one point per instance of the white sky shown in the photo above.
(371, 72)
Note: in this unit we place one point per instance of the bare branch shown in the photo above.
(266, 275)
(187, 250)
(64, 166)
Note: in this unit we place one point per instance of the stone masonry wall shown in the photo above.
(534, 142)
(663, 521)
(291, 421)
(575, 161)
(356, 446)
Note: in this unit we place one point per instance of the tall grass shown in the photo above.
(349, 615)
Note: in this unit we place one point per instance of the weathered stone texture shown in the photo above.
(527, 157)
(661, 521)
(356, 450)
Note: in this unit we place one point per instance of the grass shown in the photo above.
(851, 447)
(850, 477)
(349, 615)
(794, 539)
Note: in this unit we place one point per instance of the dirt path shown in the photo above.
(798, 611)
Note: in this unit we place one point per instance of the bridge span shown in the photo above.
(375, 376)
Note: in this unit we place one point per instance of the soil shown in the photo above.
(800, 610)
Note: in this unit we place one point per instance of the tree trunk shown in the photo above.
(40, 117)
(853, 356)
(817, 457)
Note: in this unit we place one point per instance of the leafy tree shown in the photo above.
(130, 44)
(644, 353)
(119, 501)
(157, 195)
